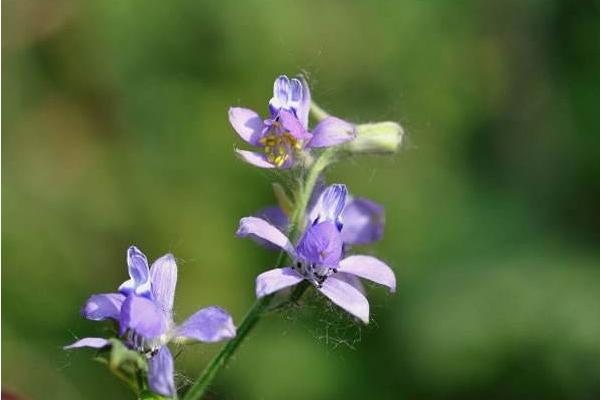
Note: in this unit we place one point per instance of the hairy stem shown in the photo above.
(318, 112)
(261, 305)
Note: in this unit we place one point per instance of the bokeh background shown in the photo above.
(115, 132)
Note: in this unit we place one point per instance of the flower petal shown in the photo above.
(161, 373)
(346, 296)
(332, 131)
(363, 221)
(312, 209)
(164, 279)
(142, 316)
(369, 268)
(352, 280)
(291, 124)
(330, 205)
(276, 217)
(281, 91)
(210, 324)
(252, 226)
(246, 123)
(276, 279)
(137, 264)
(256, 159)
(102, 306)
(295, 96)
(304, 108)
(321, 244)
(93, 342)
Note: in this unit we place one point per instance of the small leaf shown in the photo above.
(101, 360)
(283, 201)
(148, 395)
(122, 357)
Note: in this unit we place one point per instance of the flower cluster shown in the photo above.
(315, 233)
(334, 220)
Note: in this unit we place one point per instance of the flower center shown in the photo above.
(313, 272)
(279, 147)
(148, 347)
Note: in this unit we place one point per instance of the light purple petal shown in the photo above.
(161, 373)
(332, 131)
(276, 217)
(363, 221)
(276, 279)
(137, 265)
(102, 306)
(210, 324)
(295, 96)
(281, 90)
(247, 124)
(312, 211)
(93, 342)
(330, 205)
(321, 244)
(262, 229)
(352, 280)
(291, 124)
(304, 107)
(164, 279)
(142, 316)
(256, 159)
(369, 268)
(347, 297)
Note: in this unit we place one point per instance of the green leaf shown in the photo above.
(148, 395)
(123, 358)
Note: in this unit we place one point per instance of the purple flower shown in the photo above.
(318, 257)
(363, 220)
(144, 311)
(285, 132)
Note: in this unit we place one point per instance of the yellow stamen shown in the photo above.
(277, 148)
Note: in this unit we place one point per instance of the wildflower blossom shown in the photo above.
(318, 257)
(284, 134)
(144, 310)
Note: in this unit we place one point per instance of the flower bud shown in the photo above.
(376, 138)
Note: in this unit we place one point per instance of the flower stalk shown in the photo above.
(261, 305)
(317, 112)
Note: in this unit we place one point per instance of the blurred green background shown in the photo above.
(115, 132)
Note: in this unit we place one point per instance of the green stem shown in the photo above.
(318, 112)
(306, 191)
(219, 361)
(261, 305)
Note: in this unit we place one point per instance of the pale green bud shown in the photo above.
(376, 138)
